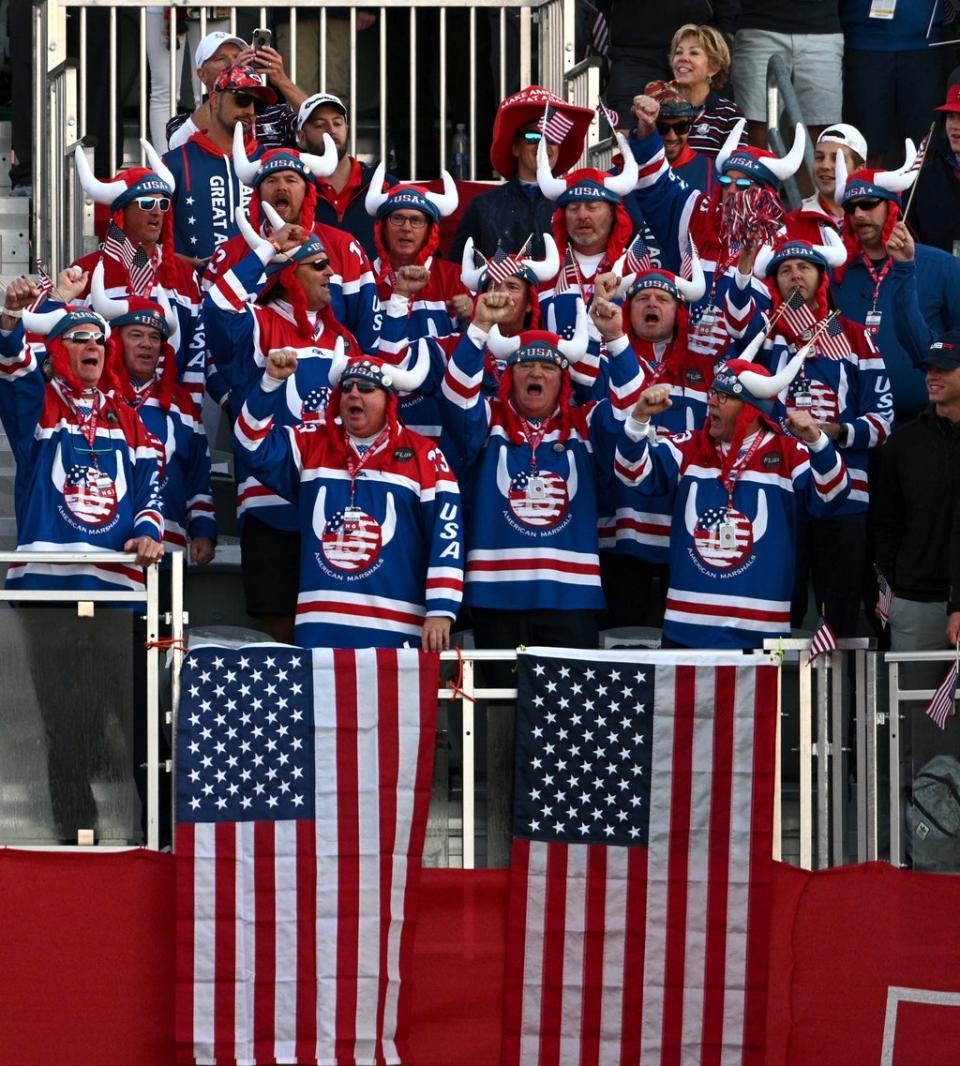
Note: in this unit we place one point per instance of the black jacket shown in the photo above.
(506, 215)
(648, 26)
(914, 500)
(935, 214)
(355, 219)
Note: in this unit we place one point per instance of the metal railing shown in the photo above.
(526, 41)
(149, 598)
(782, 103)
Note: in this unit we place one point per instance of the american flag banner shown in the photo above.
(554, 125)
(638, 257)
(823, 640)
(639, 893)
(941, 706)
(303, 780)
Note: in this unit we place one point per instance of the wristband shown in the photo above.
(11, 313)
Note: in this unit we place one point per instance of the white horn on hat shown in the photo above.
(693, 289)
(764, 388)
(500, 345)
(247, 171)
(35, 322)
(840, 172)
(550, 186)
(576, 348)
(626, 181)
(834, 251)
(470, 273)
(789, 164)
(902, 178)
(376, 197)
(761, 263)
(411, 378)
(102, 303)
(750, 352)
(546, 268)
(101, 192)
(322, 166)
(157, 165)
(730, 144)
(339, 362)
(272, 216)
(446, 201)
(249, 234)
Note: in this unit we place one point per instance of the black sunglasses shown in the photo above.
(681, 128)
(361, 386)
(866, 203)
(243, 99)
(318, 264)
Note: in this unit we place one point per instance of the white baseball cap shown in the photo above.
(842, 133)
(311, 104)
(209, 45)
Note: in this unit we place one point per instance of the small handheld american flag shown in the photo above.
(940, 708)
(638, 257)
(885, 600)
(612, 117)
(823, 640)
(797, 317)
(554, 125)
(832, 341)
(502, 265)
(569, 276)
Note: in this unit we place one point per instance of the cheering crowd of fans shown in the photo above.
(648, 396)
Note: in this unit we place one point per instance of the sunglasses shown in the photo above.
(868, 203)
(531, 136)
(317, 265)
(82, 336)
(361, 386)
(681, 128)
(413, 221)
(741, 183)
(243, 99)
(148, 203)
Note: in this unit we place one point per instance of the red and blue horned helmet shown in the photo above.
(823, 256)
(754, 384)
(766, 168)
(542, 345)
(587, 183)
(656, 278)
(307, 165)
(128, 185)
(135, 310)
(381, 202)
(53, 325)
(503, 265)
(364, 367)
(882, 184)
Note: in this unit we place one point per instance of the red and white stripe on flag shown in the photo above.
(294, 937)
(941, 706)
(823, 640)
(654, 954)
